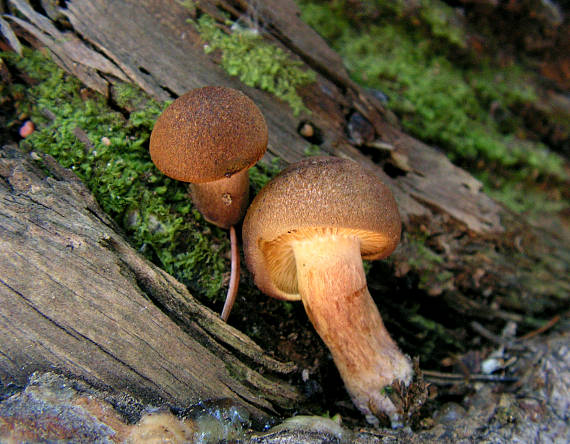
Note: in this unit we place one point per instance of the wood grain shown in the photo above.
(76, 298)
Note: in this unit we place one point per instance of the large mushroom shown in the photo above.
(210, 137)
(304, 236)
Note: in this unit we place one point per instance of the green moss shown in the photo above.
(263, 172)
(431, 330)
(432, 18)
(423, 256)
(110, 154)
(444, 276)
(409, 54)
(257, 63)
(440, 19)
(426, 263)
(328, 20)
(312, 150)
(509, 85)
(188, 4)
(520, 198)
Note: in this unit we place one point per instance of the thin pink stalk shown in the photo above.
(234, 276)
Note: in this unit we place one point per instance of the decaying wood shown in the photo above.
(75, 297)
(52, 407)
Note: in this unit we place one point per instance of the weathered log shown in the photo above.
(75, 297)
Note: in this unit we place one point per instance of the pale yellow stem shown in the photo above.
(332, 285)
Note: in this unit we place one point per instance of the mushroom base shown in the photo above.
(222, 202)
(333, 289)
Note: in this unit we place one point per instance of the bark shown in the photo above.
(75, 297)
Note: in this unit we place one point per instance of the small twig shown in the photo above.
(486, 312)
(542, 329)
(433, 376)
(234, 276)
(494, 338)
(84, 139)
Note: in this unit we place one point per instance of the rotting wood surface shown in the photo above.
(75, 297)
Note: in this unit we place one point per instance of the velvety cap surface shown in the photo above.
(207, 134)
(318, 195)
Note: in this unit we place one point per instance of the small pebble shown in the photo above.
(26, 129)
(449, 413)
(307, 130)
(491, 365)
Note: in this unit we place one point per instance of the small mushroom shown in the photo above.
(210, 137)
(304, 236)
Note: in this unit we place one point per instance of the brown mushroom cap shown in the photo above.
(317, 196)
(207, 134)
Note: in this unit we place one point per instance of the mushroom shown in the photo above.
(210, 137)
(305, 235)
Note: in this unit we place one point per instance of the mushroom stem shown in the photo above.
(332, 285)
(222, 202)
(234, 276)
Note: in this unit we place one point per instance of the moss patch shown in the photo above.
(257, 63)
(109, 152)
(418, 58)
(261, 173)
